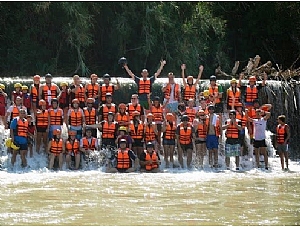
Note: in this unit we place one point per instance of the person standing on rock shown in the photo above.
(282, 138)
(144, 84)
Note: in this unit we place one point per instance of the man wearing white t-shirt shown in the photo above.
(259, 144)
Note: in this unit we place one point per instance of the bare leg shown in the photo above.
(51, 161)
(189, 157)
(286, 159)
(265, 154)
(180, 156)
(166, 154)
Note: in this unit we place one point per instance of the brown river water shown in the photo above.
(174, 198)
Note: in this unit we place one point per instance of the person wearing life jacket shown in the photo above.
(158, 117)
(17, 92)
(200, 126)
(135, 106)
(31, 135)
(122, 117)
(213, 122)
(185, 135)
(26, 99)
(137, 132)
(88, 144)
(78, 91)
(76, 119)
(41, 122)
(123, 135)
(3, 103)
(109, 130)
(150, 129)
(107, 87)
(241, 115)
(215, 90)
(251, 90)
(282, 139)
(233, 95)
(13, 111)
(190, 110)
(169, 129)
(18, 135)
(144, 84)
(34, 92)
(149, 159)
(259, 129)
(56, 149)
(232, 144)
(92, 90)
(55, 118)
(48, 90)
(64, 99)
(72, 151)
(90, 115)
(172, 94)
(106, 107)
(124, 159)
(190, 89)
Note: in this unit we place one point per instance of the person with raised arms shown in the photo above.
(144, 84)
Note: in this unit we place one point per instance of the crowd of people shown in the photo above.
(187, 120)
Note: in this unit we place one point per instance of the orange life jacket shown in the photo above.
(90, 116)
(56, 118)
(169, 134)
(217, 127)
(106, 89)
(92, 90)
(154, 158)
(144, 86)
(72, 147)
(79, 93)
(106, 109)
(231, 94)
(139, 134)
(243, 118)
(213, 90)
(22, 127)
(189, 92)
(132, 108)
(15, 112)
(34, 93)
(185, 135)
(191, 112)
(167, 92)
(108, 130)
(232, 131)
(86, 145)
(281, 133)
(157, 112)
(42, 118)
(251, 93)
(75, 117)
(121, 119)
(56, 147)
(53, 92)
(149, 132)
(202, 130)
(123, 159)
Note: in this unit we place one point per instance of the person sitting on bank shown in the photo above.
(56, 148)
(145, 84)
(124, 158)
(149, 159)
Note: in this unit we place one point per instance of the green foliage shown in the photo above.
(83, 37)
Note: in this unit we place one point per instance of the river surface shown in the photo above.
(41, 197)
